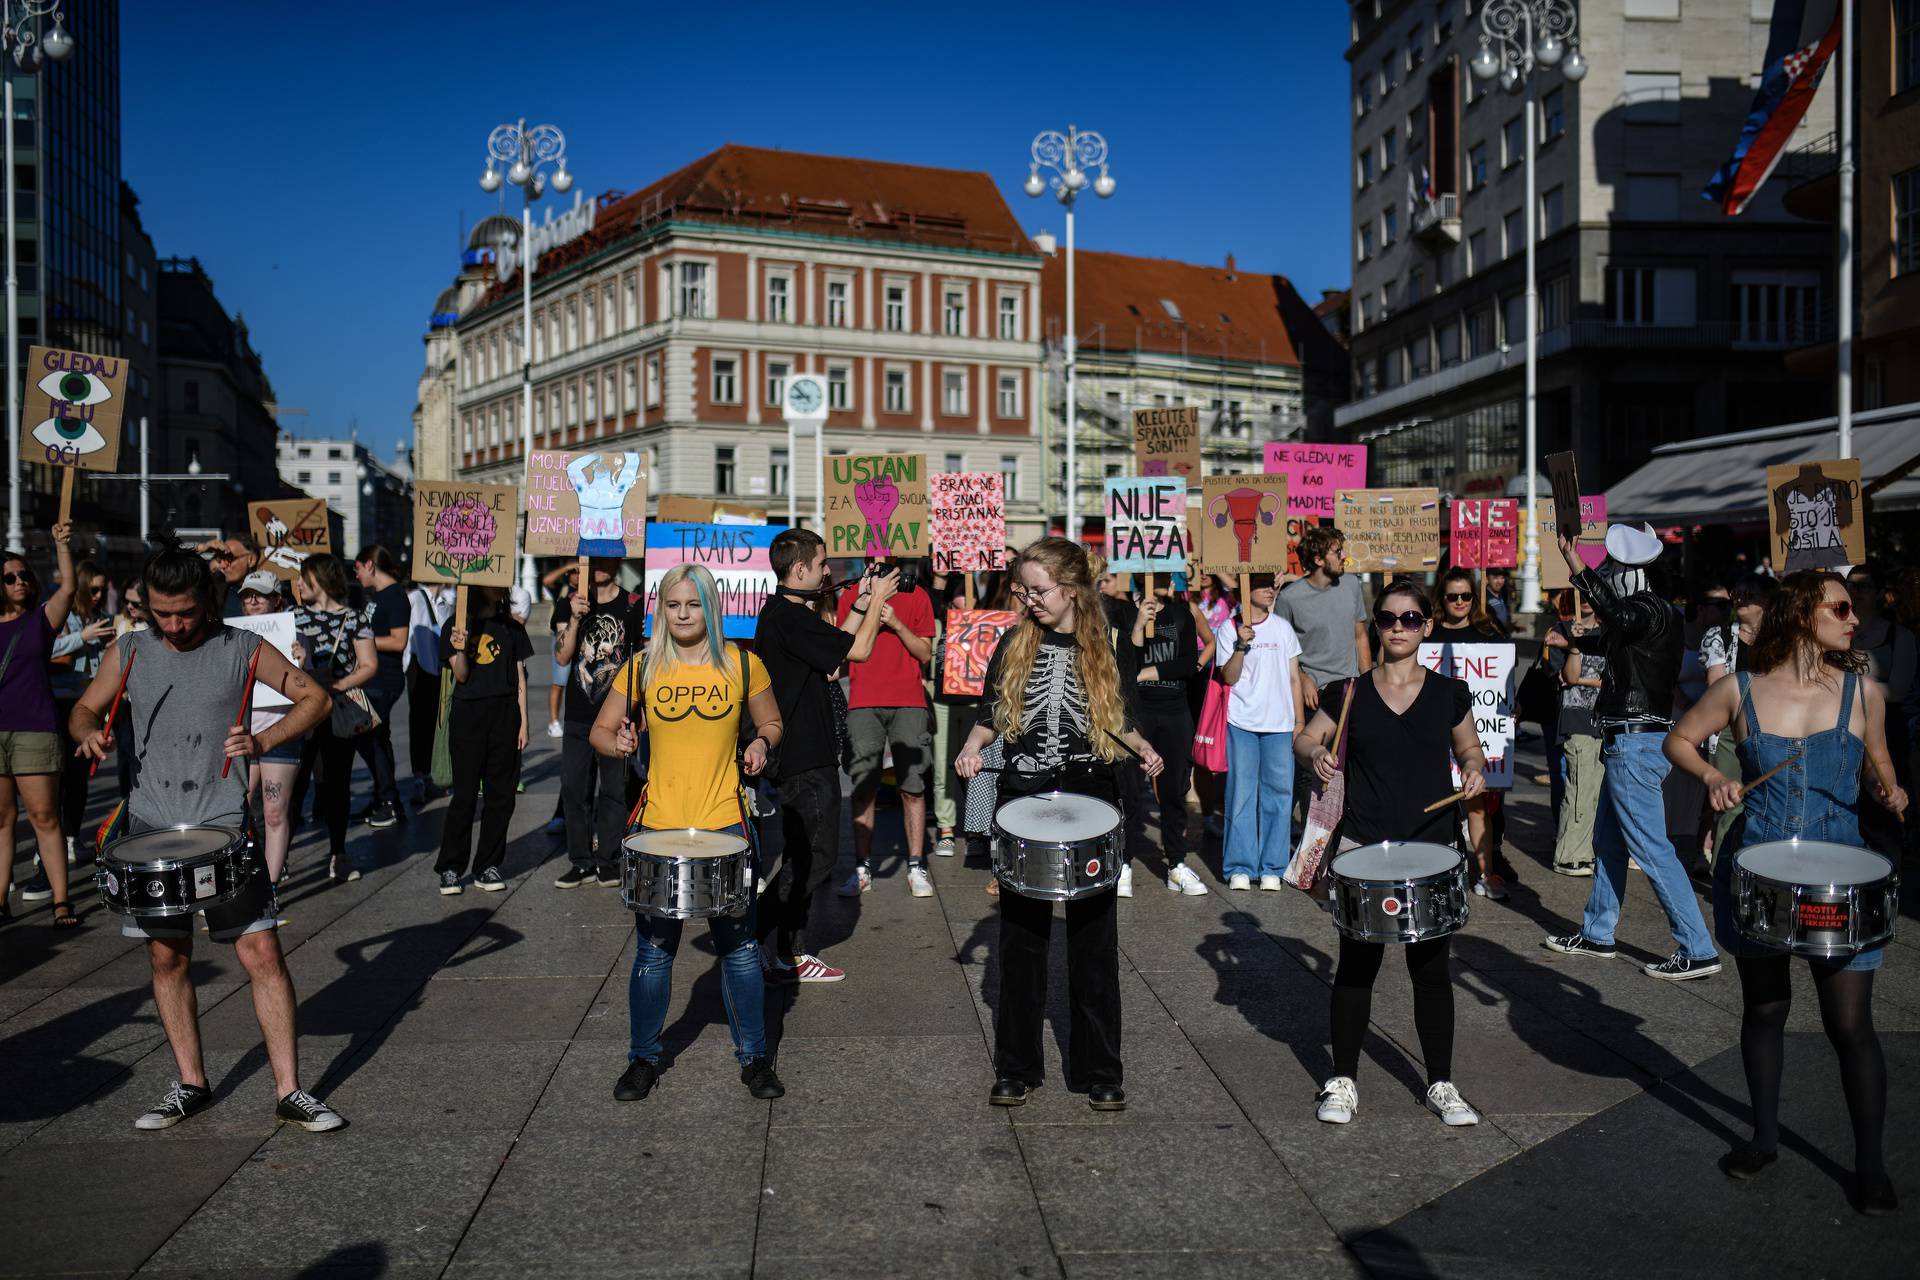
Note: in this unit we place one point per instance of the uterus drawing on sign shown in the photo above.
(603, 500)
(877, 500)
(1246, 508)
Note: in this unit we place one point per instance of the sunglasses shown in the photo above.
(11, 579)
(1842, 609)
(1457, 595)
(1411, 620)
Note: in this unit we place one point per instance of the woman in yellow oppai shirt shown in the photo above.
(693, 685)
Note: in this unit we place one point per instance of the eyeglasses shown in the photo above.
(1411, 620)
(1842, 609)
(24, 576)
(1026, 597)
(1457, 595)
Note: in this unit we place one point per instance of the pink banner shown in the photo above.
(1314, 472)
(1485, 533)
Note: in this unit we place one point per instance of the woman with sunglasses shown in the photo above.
(1803, 702)
(30, 756)
(1465, 621)
(1402, 725)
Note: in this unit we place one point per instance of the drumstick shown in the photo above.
(246, 704)
(1747, 787)
(113, 709)
(1438, 805)
(1885, 785)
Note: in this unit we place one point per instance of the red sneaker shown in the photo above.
(814, 969)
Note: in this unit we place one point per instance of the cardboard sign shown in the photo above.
(70, 412)
(1245, 529)
(967, 521)
(877, 506)
(1564, 476)
(972, 636)
(1166, 442)
(1488, 671)
(1814, 516)
(1592, 541)
(736, 555)
(735, 513)
(1147, 524)
(1485, 533)
(289, 531)
(586, 504)
(1390, 531)
(276, 629)
(463, 533)
(1315, 472)
(1297, 525)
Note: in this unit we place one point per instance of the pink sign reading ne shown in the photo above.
(1314, 472)
(1486, 533)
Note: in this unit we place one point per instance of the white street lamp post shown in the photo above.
(1068, 157)
(19, 36)
(1529, 34)
(525, 151)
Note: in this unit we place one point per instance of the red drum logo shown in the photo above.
(1391, 906)
(1093, 868)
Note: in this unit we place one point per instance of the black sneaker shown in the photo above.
(308, 1112)
(382, 815)
(1679, 967)
(636, 1082)
(450, 882)
(182, 1100)
(489, 881)
(607, 877)
(758, 1076)
(573, 878)
(1579, 944)
(36, 889)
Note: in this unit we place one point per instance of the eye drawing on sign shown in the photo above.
(67, 438)
(603, 500)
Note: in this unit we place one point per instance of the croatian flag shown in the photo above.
(1804, 36)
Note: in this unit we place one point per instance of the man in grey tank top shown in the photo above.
(182, 697)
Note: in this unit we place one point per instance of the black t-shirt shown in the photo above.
(801, 650)
(388, 609)
(495, 649)
(1397, 764)
(597, 655)
(1174, 649)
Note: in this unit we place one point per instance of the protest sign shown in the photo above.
(463, 533)
(1592, 541)
(967, 519)
(736, 555)
(972, 636)
(1391, 531)
(70, 409)
(1245, 529)
(1315, 472)
(1297, 525)
(1488, 671)
(1146, 524)
(734, 513)
(1564, 476)
(877, 505)
(289, 531)
(586, 504)
(1166, 442)
(277, 630)
(1485, 533)
(1814, 516)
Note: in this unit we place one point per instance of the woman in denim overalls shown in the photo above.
(1817, 714)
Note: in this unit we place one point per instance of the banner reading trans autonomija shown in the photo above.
(736, 555)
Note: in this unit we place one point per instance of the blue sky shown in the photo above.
(322, 162)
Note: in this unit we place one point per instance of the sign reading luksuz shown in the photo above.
(549, 235)
(70, 414)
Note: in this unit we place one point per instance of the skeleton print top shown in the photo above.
(1055, 726)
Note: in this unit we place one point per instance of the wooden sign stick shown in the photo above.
(1146, 598)
(1246, 598)
(113, 708)
(1483, 591)
(966, 590)
(460, 607)
(585, 583)
(66, 494)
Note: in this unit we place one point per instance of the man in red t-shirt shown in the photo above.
(888, 708)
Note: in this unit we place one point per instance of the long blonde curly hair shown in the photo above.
(1066, 563)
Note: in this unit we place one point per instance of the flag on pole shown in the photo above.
(1802, 41)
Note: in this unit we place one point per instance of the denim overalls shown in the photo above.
(1817, 797)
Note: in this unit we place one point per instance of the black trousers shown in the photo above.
(332, 757)
(74, 775)
(810, 826)
(1167, 726)
(485, 733)
(1428, 967)
(376, 746)
(1093, 989)
(423, 718)
(592, 788)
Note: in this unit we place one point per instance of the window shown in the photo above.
(1906, 45)
(690, 292)
(1650, 295)
(723, 469)
(1554, 295)
(1009, 477)
(306, 477)
(609, 311)
(631, 294)
(590, 329)
(1480, 332)
(190, 395)
(1476, 166)
(953, 311)
(1009, 398)
(1513, 319)
(1413, 127)
(1389, 150)
(333, 477)
(632, 400)
(1651, 97)
(653, 381)
(1416, 285)
(839, 387)
(777, 382)
(779, 299)
(1366, 311)
(953, 392)
(539, 337)
(609, 407)
(1448, 343)
(1366, 167)
(1513, 235)
(1652, 197)
(1906, 221)
(1363, 97)
(1366, 242)
(1419, 357)
(1386, 77)
(1553, 115)
(1513, 142)
(1776, 307)
(1389, 225)
(1416, 46)
(1010, 317)
(726, 380)
(553, 340)
(895, 393)
(573, 404)
(896, 308)
(779, 471)
(1444, 266)
(839, 303)
(1553, 210)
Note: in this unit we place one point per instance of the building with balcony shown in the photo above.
(373, 500)
(1659, 318)
(671, 325)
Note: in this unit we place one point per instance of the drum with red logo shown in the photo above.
(1398, 891)
(1815, 898)
(1057, 846)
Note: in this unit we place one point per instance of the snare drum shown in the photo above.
(174, 871)
(1398, 892)
(1057, 846)
(1814, 898)
(686, 875)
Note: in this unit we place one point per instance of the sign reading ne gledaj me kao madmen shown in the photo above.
(70, 412)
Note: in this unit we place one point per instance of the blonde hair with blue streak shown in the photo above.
(663, 656)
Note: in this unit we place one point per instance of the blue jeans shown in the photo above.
(1259, 838)
(1633, 818)
(741, 985)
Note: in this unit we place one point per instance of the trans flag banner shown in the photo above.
(1803, 39)
(737, 555)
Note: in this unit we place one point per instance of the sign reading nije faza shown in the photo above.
(1147, 524)
(877, 506)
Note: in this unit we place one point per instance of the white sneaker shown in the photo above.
(943, 846)
(1273, 884)
(554, 730)
(1125, 887)
(1239, 880)
(72, 855)
(1445, 1101)
(1491, 886)
(919, 883)
(1339, 1100)
(856, 884)
(1182, 880)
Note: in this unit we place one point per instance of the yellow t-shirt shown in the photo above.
(693, 727)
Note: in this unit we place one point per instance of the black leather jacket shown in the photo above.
(1644, 644)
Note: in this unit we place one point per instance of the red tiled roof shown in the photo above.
(1240, 315)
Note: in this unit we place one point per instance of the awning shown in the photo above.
(1724, 478)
